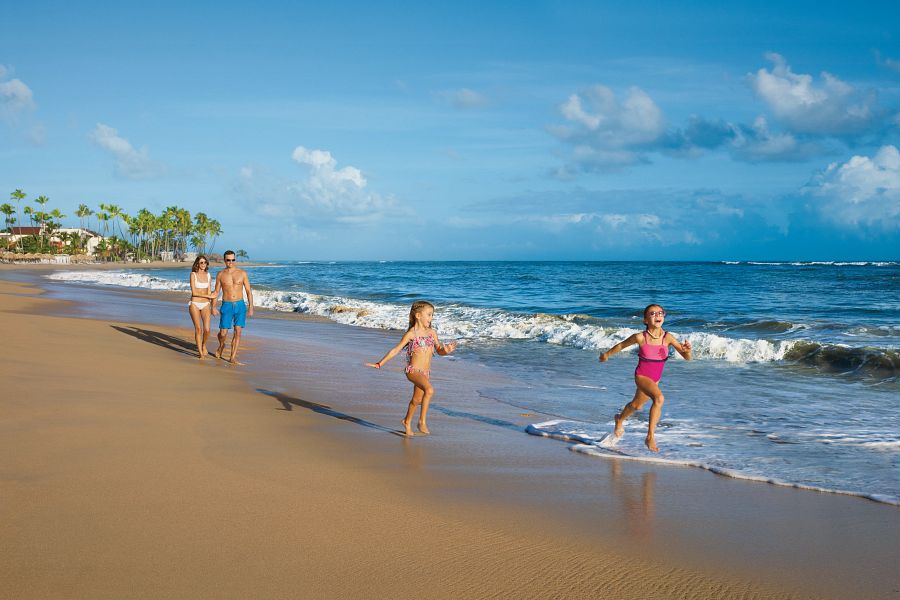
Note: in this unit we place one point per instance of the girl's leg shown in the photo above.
(629, 409)
(422, 393)
(198, 328)
(649, 387)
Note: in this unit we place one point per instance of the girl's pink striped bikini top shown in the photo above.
(420, 342)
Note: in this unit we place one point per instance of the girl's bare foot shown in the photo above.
(407, 426)
(423, 428)
(619, 431)
(651, 444)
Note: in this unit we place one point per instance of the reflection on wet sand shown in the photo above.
(637, 501)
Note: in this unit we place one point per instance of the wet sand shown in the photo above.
(135, 470)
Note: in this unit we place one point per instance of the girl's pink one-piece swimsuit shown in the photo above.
(652, 359)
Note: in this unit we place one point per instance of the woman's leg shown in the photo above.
(198, 327)
(422, 393)
(206, 313)
(650, 388)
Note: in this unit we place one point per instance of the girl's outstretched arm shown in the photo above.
(441, 348)
(393, 351)
(630, 341)
(684, 349)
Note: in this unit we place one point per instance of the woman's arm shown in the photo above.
(684, 349)
(393, 351)
(192, 280)
(629, 341)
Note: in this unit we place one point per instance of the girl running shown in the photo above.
(421, 342)
(652, 356)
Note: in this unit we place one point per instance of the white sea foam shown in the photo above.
(120, 278)
(815, 263)
(685, 445)
(461, 322)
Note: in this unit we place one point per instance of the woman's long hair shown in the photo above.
(197, 260)
(416, 307)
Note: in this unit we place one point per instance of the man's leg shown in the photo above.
(223, 335)
(235, 344)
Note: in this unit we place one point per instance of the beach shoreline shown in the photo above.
(659, 510)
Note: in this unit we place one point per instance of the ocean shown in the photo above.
(794, 378)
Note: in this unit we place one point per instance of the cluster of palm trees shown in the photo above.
(47, 221)
(142, 236)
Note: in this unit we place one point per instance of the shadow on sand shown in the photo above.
(162, 340)
(480, 418)
(289, 402)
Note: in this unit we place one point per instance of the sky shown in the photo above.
(468, 130)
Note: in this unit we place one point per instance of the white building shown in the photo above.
(92, 238)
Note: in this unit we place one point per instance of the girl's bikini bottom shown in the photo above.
(412, 369)
(199, 305)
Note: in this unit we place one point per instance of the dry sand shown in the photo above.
(131, 471)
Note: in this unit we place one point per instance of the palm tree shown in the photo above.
(184, 225)
(201, 230)
(18, 196)
(55, 223)
(103, 219)
(214, 230)
(117, 215)
(8, 210)
(83, 213)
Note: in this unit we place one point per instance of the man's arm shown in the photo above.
(249, 294)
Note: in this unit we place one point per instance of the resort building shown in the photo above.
(8, 239)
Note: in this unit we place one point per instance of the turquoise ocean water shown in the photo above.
(795, 373)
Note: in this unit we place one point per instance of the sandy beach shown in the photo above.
(134, 470)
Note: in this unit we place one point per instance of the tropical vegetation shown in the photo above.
(143, 236)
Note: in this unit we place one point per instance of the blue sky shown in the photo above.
(537, 130)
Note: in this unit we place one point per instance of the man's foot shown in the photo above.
(423, 428)
(235, 361)
(407, 427)
(651, 444)
(219, 351)
(619, 431)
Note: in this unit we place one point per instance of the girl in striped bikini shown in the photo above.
(421, 342)
(653, 352)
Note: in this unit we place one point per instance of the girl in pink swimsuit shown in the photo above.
(421, 342)
(653, 352)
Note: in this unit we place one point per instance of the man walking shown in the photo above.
(233, 282)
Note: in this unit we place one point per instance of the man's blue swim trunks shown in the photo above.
(233, 314)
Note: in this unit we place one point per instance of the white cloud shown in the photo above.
(466, 99)
(757, 143)
(831, 107)
(888, 62)
(861, 191)
(326, 194)
(607, 131)
(15, 96)
(130, 162)
(638, 220)
(38, 135)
